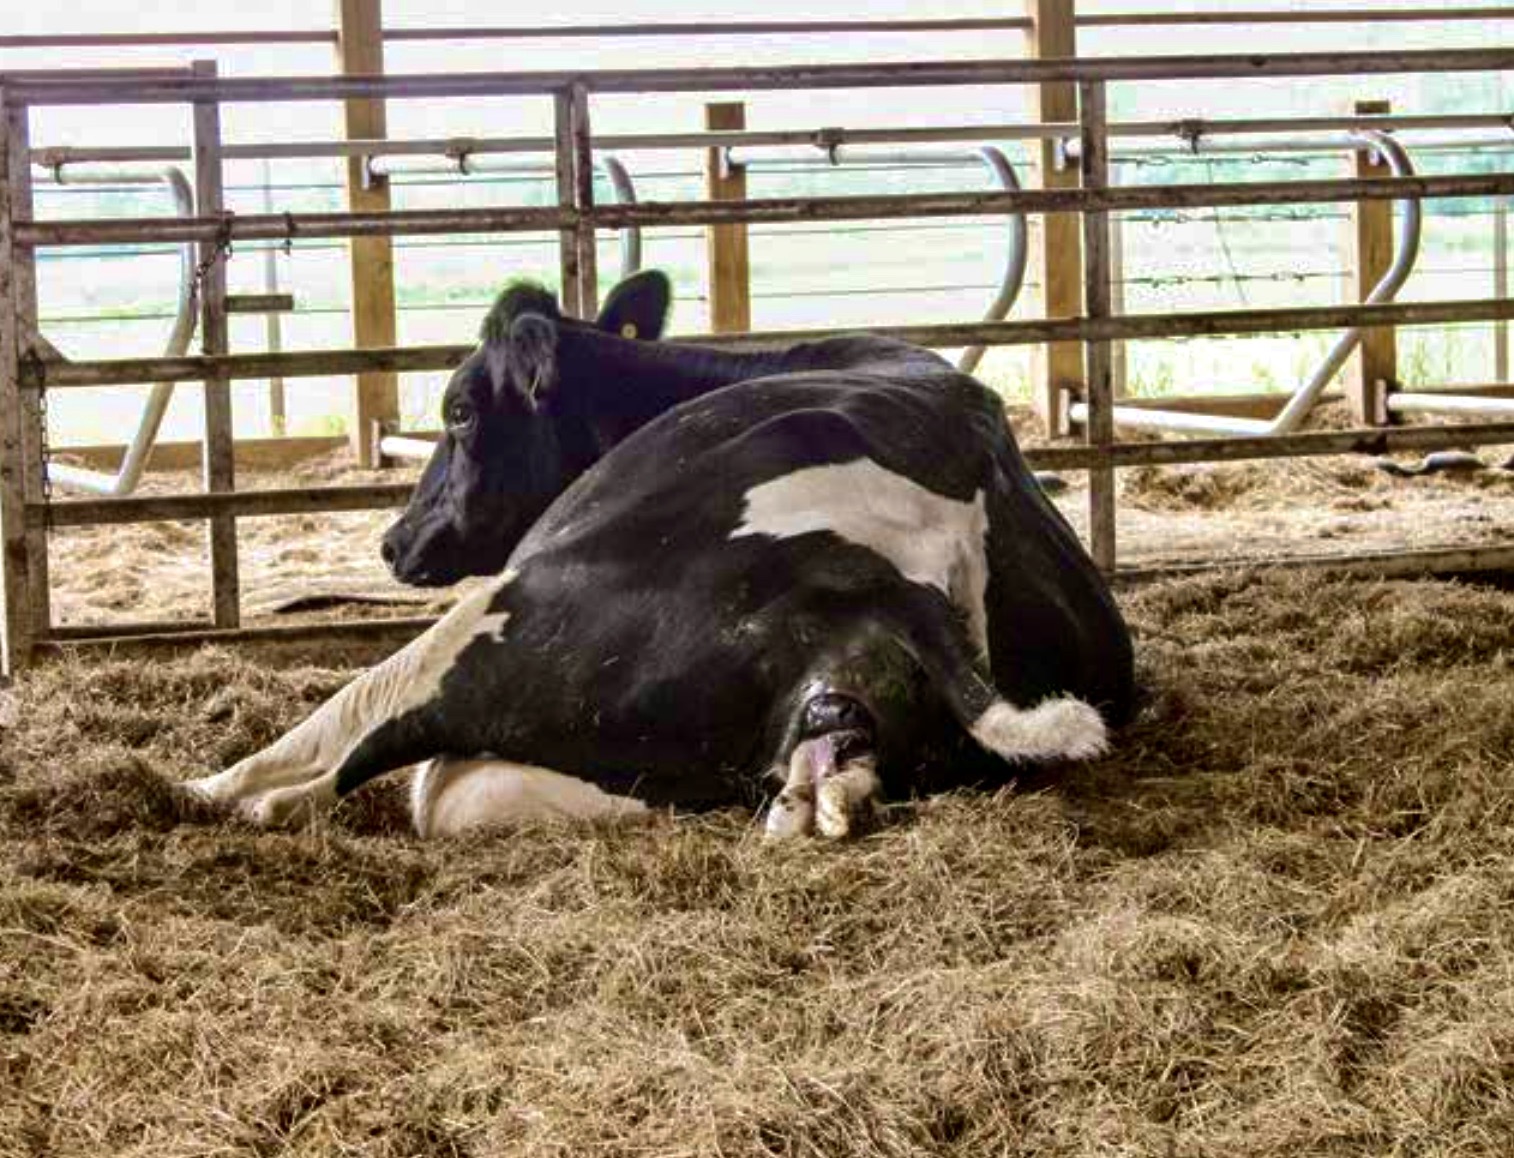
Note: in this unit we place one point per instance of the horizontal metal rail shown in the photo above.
(1126, 327)
(763, 27)
(900, 74)
(258, 504)
(1120, 199)
(56, 155)
(243, 504)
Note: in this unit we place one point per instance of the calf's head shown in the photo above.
(518, 428)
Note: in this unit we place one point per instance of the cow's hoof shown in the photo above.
(285, 807)
(1059, 729)
(792, 813)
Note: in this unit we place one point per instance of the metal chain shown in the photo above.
(219, 249)
(32, 361)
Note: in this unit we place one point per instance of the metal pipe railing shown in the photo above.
(468, 162)
(1304, 399)
(901, 74)
(134, 461)
(1017, 251)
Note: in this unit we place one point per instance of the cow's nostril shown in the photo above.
(386, 549)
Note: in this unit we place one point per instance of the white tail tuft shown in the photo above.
(1059, 729)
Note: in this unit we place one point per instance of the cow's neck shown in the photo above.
(626, 384)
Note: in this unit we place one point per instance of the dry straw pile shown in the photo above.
(1276, 921)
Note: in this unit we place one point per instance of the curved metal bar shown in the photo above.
(1304, 399)
(625, 194)
(469, 162)
(1017, 253)
(134, 461)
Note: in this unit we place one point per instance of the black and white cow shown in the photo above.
(816, 571)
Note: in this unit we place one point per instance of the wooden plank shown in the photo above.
(219, 459)
(1056, 261)
(259, 303)
(727, 249)
(23, 264)
(360, 51)
(397, 630)
(1094, 174)
(15, 569)
(251, 453)
(1373, 369)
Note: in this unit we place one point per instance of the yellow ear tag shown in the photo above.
(628, 330)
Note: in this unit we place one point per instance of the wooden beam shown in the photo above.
(1057, 259)
(220, 438)
(727, 252)
(360, 52)
(18, 634)
(1373, 370)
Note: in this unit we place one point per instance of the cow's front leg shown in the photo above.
(832, 784)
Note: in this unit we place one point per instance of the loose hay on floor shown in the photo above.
(1277, 920)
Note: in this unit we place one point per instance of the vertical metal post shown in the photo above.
(219, 463)
(567, 192)
(1094, 171)
(583, 187)
(273, 326)
(1501, 286)
(726, 247)
(23, 264)
(16, 576)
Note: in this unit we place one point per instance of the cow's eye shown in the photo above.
(459, 415)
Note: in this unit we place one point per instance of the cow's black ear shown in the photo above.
(638, 307)
(525, 359)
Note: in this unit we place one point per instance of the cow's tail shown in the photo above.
(1059, 728)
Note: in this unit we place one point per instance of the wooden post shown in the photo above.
(33, 462)
(1058, 367)
(16, 566)
(1094, 174)
(726, 247)
(219, 454)
(1373, 371)
(1119, 362)
(567, 195)
(360, 51)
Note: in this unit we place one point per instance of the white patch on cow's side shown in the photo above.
(408, 679)
(1061, 729)
(929, 538)
(449, 797)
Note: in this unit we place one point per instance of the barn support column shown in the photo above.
(726, 246)
(1057, 260)
(360, 52)
(219, 457)
(1373, 372)
(1097, 281)
(15, 560)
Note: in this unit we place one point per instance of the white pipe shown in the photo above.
(134, 461)
(1450, 404)
(990, 156)
(405, 446)
(1304, 399)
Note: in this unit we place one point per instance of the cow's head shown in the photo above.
(515, 432)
